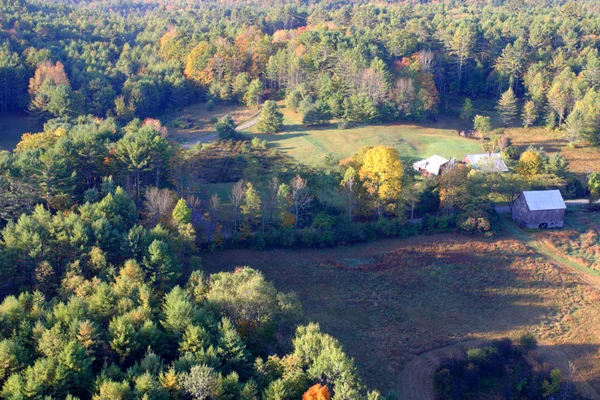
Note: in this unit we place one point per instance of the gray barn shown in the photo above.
(539, 209)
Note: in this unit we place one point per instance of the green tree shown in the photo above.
(225, 127)
(270, 119)
(182, 214)
(160, 266)
(252, 203)
(254, 93)
(316, 114)
(529, 114)
(482, 124)
(507, 106)
(594, 186)
(466, 112)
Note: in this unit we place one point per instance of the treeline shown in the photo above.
(108, 333)
(354, 62)
(106, 311)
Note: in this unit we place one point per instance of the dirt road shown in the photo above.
(212, 136)
(247, 124)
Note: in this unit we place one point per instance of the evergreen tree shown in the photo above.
(529, 114)
(466, 112)
(182, 214)
(507, 106)
(160, 266)
(270, 119)
(225, 127)
(253, 93)
(231, 348)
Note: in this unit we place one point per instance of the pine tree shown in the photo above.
(225, 127)
(253, 93)
(160, 266)
(232, 349)
(270, 119)
(252, 203)
(182, 214)
(529, 114)
(507, 106)
(466, 113)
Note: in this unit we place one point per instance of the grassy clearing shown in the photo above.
(12, 127)
(309, 144)
(578, 242)
(390, 300)
(581, 160)
(193, 123)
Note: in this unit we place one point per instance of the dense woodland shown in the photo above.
(354, 62)
(102, 228)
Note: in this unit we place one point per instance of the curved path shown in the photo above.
(416, 378)
(247, 124)
(212, 136)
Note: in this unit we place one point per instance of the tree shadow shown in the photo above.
(412, 296)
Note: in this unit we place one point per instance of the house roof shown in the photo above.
(541, 200)
(431, 164)
(487, 163)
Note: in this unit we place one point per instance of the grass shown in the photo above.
(581, 160)
(391, 300)
(193, 123)
(309, 144)
(12, 127)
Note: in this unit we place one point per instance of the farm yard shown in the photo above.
(390, 301)
(309, 144)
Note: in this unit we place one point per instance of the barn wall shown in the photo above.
(533, 219)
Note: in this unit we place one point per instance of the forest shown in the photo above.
(104, 218)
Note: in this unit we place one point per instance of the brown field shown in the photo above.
(392, 300)
(581, 160)
(579, 240)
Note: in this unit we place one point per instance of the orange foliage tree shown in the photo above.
(317, 392)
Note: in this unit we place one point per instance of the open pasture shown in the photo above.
(392, 300)
(309, 144)
(581, 160)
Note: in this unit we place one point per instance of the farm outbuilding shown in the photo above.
(539, 209)
(488, 162)
(433, 165)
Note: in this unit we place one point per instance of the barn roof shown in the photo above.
(541, 200)
(431, 164)
(487, 162)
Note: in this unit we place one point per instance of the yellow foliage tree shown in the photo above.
(530, 164)
(197, 66)
(317, 392)
(381, 173)
(454, 188)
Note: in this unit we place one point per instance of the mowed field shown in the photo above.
(389, 301)
(309, 144)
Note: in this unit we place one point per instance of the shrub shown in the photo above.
(225, 127)
(528, 341)
(210, 105)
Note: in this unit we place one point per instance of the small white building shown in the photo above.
(433, 165)
(486, 162)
